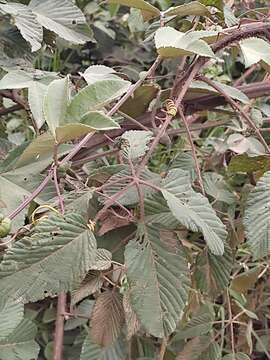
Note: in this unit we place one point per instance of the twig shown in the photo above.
(162, 349)
(59, 327)
(169, 118)
(131, 119)
(237, 108)
(58, 192)
(231, 324)
(134, 87)
(94, 157)
(197, 165)
(11, 109)
(246, 74)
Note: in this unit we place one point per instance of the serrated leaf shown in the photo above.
(172, 43)
(103, 260)
(11, 314)
(149, 11)
(137, 143)
(95, 97)
(256, 219)
(213, 272)
(131, 319)
(62, 17)
(193, 210)
(201, 323)
(216, 186)
(26, 22)
(20, 345)
(107, 318)
(83, 309)
(158, 278)
(91, 283)
(255, 50)
(193, 8)
(229, 17)
(96, 73)
(93, 351)
(130, 197)
(60, 245)
(229, 90)
(55, 103)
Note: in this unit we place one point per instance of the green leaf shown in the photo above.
(193, 8)
(138, 104)
(158, 278)
(216, 186)
(172, 43)
(62, 17)
(212, 272)
(20, 345)
(257, 216)
(95, 97)
(90, 122)
(130, 197)
(244, 163)
(96, 73)
(255, 50)
(36, 93)
(193, 210)
(19, 79)
(11, 314)
(201, 323)
(229, 90)
(137, 143)
(83, 309)
(149, 11)
(93, 351)
(60, 245)
(56, 103)
(229, 17)
(26, 22)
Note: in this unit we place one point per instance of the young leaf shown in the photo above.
(60, 245)
(56, 103)
(95, 97)
(193, 210)
(255, 50)
(158, 278)
(91, 283)
(21, 343)
(194, 8)
(172, 43)
(107, 318)
(11, 314)
(96, 73)
(256, 219)
(62, 17)
(149, 11)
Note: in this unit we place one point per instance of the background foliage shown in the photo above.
(134, 180)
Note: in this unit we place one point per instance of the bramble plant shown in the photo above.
(134, 180)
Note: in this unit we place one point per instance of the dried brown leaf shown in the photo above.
(107, 318)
